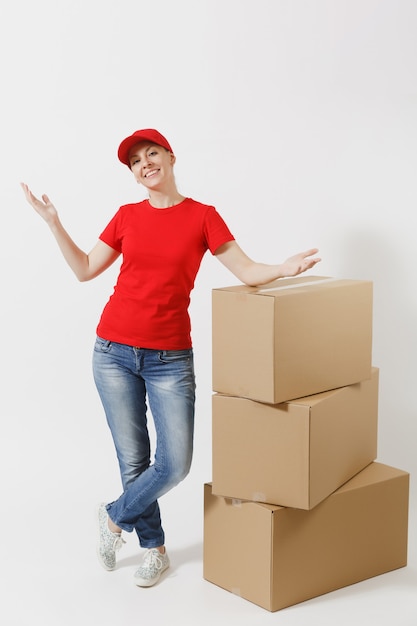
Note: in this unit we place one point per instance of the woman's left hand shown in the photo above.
(300, 262)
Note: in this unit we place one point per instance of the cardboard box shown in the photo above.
(297, 453)
(293, 338)
(277, 557)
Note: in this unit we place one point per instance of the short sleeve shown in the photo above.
(216, 230)
(111, 235)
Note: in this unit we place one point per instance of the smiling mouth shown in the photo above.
(151, 173)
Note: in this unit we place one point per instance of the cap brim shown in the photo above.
(126, 146)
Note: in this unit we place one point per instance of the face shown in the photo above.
(151, 164)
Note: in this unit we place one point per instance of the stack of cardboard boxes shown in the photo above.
(297, 506)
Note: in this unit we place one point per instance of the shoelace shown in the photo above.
(152, 559)
(118, 542)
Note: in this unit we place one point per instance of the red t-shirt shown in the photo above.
(162, 251)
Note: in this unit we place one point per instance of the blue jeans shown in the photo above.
(128, 378)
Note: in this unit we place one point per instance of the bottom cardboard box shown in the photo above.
(276, 557)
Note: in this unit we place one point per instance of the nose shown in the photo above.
(146, 163)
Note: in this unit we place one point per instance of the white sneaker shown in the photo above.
(154, 563)
(109, 542)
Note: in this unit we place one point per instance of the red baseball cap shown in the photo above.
(147, 134)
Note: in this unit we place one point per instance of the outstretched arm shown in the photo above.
(85, 266)
(253, 273)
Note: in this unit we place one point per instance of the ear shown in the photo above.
(173, 158)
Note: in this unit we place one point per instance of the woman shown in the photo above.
(143, 352)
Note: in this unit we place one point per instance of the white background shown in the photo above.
(297, 119)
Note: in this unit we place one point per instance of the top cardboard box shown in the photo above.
(292, 338)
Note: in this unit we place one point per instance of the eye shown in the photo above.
(153, 152)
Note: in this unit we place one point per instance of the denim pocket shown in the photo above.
(170, 356)
(102, 345)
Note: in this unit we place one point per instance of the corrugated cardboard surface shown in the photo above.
(297, 453)
(277, 557)
(294, 338)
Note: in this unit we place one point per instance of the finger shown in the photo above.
(25, 188)
(27, 192)
(310, 252)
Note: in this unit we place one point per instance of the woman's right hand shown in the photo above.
(44, 207)
(85, 266)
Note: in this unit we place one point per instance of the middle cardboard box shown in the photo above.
(293, 454)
